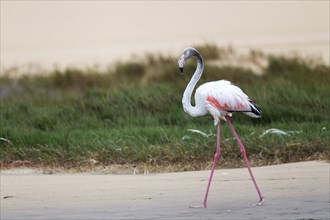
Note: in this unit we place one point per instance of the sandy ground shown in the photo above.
(81, 33)
(293, 191)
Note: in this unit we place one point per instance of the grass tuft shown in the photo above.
(131, 115)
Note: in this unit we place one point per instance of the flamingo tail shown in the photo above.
(255, 110)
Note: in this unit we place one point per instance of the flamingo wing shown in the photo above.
(222, 97)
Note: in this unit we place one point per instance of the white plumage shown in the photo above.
(220, 99)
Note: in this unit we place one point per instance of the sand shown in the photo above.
(83, 33)
(292, 191)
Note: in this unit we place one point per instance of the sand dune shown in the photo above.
(85, 32)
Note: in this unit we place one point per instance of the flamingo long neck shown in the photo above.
(186, 99)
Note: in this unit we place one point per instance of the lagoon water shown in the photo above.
(81, 33)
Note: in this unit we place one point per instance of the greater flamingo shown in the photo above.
(220, 99)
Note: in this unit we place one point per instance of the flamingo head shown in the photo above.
(187, 53)
(181, 62)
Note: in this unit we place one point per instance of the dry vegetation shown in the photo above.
(130, 116)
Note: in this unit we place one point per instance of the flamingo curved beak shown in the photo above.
(181, 63)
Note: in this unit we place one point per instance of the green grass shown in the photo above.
(131, 115)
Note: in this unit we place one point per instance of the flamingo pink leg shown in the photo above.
(262, 198)
(216, 158)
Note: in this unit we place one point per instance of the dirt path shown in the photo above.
(293, 191)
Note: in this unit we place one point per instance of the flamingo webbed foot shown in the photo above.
(203, 206)
(261, 202)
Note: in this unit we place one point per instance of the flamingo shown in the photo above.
(219, 99)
